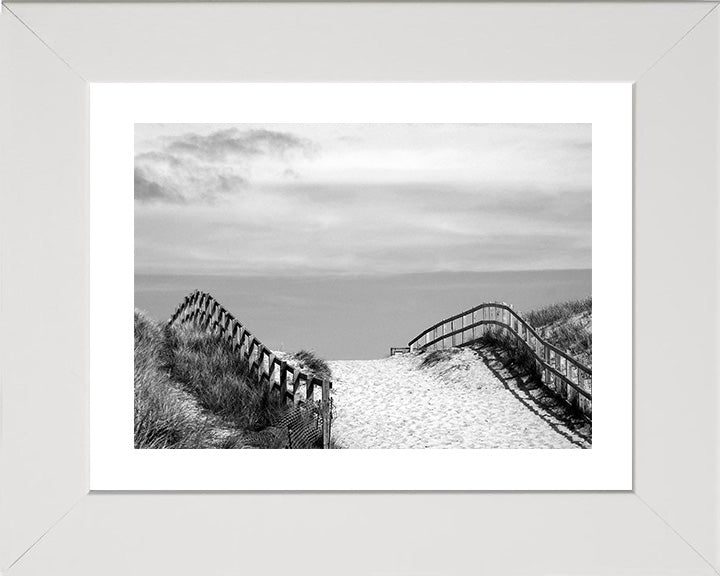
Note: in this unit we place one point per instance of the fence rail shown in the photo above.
(399, 350)
(560, 371)
(283, 379)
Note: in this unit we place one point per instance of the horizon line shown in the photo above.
(356, 274)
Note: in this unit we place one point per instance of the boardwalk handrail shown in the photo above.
(560, 371)
(282, 378)
(399, 350)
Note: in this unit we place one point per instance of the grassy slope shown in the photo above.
(567, 325)
(192, 391)
(163, 415)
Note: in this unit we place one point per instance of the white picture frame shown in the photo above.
(51, 523)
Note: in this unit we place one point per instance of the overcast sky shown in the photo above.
(310, 199)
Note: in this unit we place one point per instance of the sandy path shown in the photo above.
(457, 403)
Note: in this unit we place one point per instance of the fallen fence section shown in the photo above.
(284, 380)
(560, 371)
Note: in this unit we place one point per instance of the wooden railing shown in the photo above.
(560, 371)
(283, 379)
(399, 350)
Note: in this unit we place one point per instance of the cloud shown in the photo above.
(184, 183)
(375, 230)
(232, 142)
(158, 158)
(251, 200)
(551, 205)
(206, 168)
(149, 191)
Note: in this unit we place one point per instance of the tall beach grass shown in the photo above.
(192, 390)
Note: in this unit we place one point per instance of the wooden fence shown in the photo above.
(283, 379)
(560, 371)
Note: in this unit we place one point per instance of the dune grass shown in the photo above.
(435, 357)
(560, 312)
(567, 325)
(162, 419)
(193, 391)
(573, 337)
(208, 368)
(309, 360)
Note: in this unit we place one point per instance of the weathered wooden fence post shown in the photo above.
(326, 414)
(295, 385)
(310, 389)
(283, 383)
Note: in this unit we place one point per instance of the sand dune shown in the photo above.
(457, 403)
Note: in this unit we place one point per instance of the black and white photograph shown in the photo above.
(363, 286)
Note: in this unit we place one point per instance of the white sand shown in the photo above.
(458, 403)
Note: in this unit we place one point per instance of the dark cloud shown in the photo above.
(205, 189)
(149, 191)
(195, 168)
(229, 183)
(233, 142)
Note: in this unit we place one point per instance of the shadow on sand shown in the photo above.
(536, 397)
